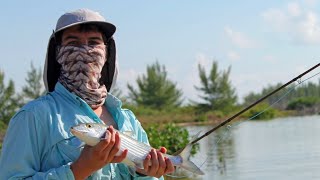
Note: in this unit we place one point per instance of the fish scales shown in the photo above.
(92, 133)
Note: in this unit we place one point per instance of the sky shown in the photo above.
(264, 42)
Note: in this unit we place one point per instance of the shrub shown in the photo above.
(270, 113)
(302, 102)
(173, 137)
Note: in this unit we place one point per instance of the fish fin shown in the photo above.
(186, 163)
(185, 155)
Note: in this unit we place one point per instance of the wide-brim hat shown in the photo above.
(70, 19)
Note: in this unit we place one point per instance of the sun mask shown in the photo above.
(81, 68)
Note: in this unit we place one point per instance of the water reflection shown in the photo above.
(281, 149)
(214, 152)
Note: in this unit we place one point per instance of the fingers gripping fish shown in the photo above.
(92, 133)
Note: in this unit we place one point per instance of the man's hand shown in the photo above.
(94, 158)
(160, 165)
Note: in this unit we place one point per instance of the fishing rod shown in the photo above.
(253, 104)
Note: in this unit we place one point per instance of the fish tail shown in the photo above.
(186, 163)
(185, 155)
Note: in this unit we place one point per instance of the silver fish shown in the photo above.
(92, 133)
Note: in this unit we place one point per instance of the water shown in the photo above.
(279, 149)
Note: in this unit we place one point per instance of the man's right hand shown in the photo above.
(94, 158)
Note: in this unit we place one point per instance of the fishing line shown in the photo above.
(312, 76)
(298, 79)
(299, 82)
(253, 104)
(283, 96)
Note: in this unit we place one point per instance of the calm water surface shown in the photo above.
(279, 149)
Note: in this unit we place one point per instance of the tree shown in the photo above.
(9, 103)
(290, 97)
(155, 90)
(216, 90)
(302, 103)
(253, 97)
(34, 87)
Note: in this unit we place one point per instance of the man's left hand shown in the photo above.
(160, 165)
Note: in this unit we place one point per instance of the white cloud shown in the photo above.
(239, 39)
(300, 68)
(233, 56)
(202, 59)
(294, 9)
(311, 3)
(308, 31)
(270, 58)
(127, 76)
(301, 24)
(276, 19)
(255, 82)
(192, 78)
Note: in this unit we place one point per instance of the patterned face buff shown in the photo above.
(81, 68)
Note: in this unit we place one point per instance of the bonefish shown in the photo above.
(92, 133)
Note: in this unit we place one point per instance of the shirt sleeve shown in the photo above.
(23, 147)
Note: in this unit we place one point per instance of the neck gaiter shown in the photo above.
(81, 68)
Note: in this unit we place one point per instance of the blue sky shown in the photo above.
(264, 42)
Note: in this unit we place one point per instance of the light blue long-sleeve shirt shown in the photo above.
(38, 143)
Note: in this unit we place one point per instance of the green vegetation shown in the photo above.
(254, 112)
(34, 87)
(157, 100)
(155, 90)
(216, 89)
(9, 102)
(171, 136)
(303, 103)
(3, 128)
(303, 99)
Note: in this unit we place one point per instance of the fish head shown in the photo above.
(89, 133)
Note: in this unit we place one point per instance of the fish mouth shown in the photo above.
(74, 131)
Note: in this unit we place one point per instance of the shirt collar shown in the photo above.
(111, 101)
(61, 90)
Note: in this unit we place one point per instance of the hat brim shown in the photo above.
(107, 28)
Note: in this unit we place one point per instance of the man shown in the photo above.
(79, 71)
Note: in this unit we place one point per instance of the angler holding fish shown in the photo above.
(93, 133)
(79, 71)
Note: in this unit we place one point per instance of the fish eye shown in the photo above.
(89, 126)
